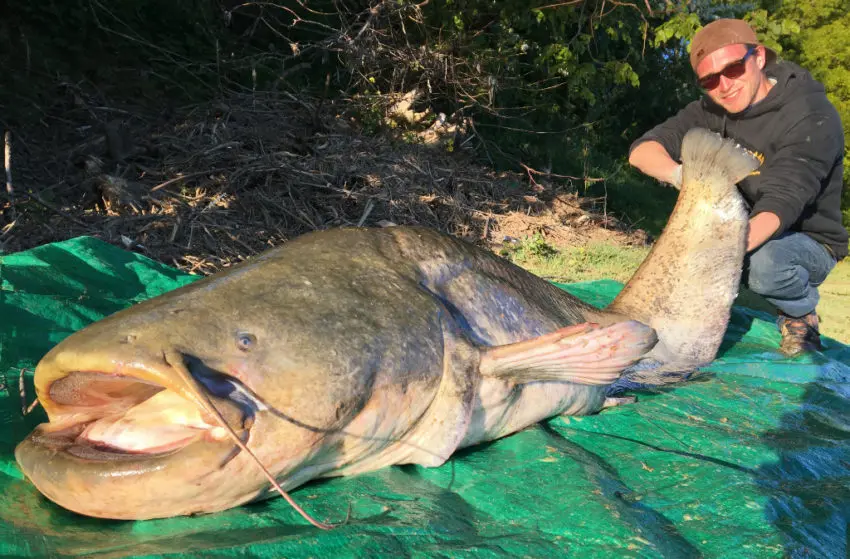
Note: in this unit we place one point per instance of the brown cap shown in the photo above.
(721, 33)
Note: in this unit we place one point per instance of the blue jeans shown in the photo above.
(787, 271)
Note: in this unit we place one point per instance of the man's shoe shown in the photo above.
(799, 335)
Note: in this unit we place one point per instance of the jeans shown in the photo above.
(787, 271)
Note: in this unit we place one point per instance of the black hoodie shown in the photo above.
(798, 133)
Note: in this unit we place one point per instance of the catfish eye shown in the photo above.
(245, 341)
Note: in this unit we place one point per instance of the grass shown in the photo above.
(601, 261)
(834, 307)
(592, 262)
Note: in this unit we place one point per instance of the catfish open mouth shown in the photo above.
(103, 416)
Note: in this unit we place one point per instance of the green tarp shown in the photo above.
(751, 459)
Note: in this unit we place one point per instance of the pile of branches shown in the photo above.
(205, 186)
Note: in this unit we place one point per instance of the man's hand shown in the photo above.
(652, 159)
(762, 228)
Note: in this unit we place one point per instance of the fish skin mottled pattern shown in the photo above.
(354, 349)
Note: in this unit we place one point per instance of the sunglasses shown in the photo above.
(732, 71)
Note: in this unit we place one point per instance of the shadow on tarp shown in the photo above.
(809, 485)
(750, 459)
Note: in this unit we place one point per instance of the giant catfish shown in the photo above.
(352, 349)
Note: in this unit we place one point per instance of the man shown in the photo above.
(780, 113)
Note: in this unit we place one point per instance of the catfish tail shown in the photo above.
(708, 158)
(687, 284)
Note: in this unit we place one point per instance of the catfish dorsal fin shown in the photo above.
(582, 354)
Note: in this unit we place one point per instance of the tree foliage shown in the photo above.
(566, 86)
(554, 86)
(543, 83)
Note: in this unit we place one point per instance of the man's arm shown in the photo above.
(762, 228)
(652, 159)
(656, 153)
(792, 178)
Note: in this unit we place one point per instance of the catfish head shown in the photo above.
(168, 407)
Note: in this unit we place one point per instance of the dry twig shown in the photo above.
(285, 171)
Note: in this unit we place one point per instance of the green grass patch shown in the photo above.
(834, 306)
(587, 263)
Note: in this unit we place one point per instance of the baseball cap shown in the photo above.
(723, 32)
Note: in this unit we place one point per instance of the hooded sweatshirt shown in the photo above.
(797, 133)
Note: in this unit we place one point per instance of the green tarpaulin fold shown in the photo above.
(750, 459)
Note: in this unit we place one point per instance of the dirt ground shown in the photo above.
(202, 187)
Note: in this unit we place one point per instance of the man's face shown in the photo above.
(732, 90)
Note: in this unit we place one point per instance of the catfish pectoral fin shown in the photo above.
(582, 354)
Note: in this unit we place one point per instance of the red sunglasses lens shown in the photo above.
(710, 81)
(733, 71)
